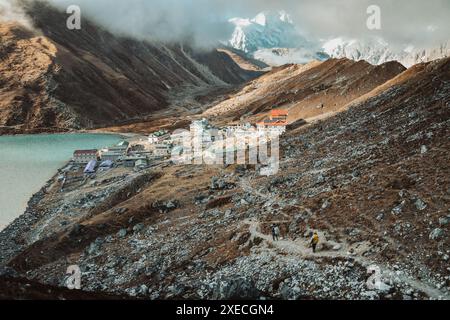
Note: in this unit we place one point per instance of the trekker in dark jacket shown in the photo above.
(275, 233)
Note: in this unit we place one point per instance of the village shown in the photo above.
(162, 147)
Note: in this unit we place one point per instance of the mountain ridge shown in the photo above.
(282, 43)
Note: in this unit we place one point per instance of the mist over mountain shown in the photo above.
(10, 11)
(206, 22)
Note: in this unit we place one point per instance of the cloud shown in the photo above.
(402, 21)
(205, 22)
(200, 22)
(10, 11)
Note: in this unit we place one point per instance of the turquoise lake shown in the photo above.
(27, 162)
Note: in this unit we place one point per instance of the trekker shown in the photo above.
(314, 241)
(276, 233)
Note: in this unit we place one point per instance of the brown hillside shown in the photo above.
(59, 79)
(307, 91)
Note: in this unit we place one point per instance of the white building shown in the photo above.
(162, 150)
(84, 156)
(111, 155)
(159, 136)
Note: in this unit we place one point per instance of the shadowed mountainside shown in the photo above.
(58, 79)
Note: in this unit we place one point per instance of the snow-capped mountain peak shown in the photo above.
(260, 19)
(265, 30)
(239, 22)
(284, 16)
(377, 51)
(374, 50)
(274, 39)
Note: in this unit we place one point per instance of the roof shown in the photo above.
(141, 161)
(134, 158)
(106, 163)
(122, 148)
(90, 168)
(160, 133)
(278, 113)
(82, 152)
(112, 153)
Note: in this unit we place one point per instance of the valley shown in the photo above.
(361, 177)
(363, 163)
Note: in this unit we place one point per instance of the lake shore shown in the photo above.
(28, 163)
(6, 131)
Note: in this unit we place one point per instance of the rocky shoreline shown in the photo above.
(11, 241)
(14, 132)
(6, 131)
(11, 236)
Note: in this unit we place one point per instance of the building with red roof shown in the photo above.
(278, 118)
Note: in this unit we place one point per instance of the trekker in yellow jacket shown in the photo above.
(314, 241)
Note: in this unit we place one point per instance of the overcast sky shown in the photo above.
(420, 22)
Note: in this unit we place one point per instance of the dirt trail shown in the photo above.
(301, 247)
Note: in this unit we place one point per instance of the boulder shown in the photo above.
(165, 207)
(443, 221)
(220, 184)
(143, 290)
(436, 234)
(138, 227)
(398, 209)
(420, 205)
(122, 233)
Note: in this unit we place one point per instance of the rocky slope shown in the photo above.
(56, 79)
(373, 180)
